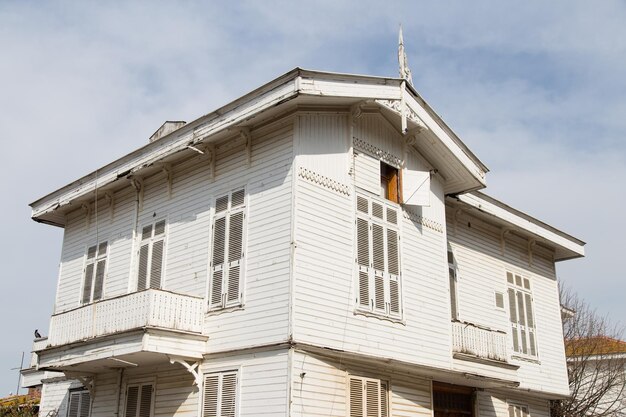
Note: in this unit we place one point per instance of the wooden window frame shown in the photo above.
(374, 274)
(524, 410)
(225, 300)
(93, 262)
(391, 182)
(81, 393)
(140, 386)
(150, 241)
(453, 279)
(383, 389)
(220, 391)
(522, 334)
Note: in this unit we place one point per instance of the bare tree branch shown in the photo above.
(596, 361)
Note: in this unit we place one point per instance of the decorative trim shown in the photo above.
(326, 182)
(485, 361)
(424, 221)
(396, 105)
(385, 156)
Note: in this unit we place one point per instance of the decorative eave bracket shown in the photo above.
(137, 184)
(169, 177)
(88, 381)
(244, 132)
(192, 369)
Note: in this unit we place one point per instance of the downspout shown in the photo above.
(120, 373)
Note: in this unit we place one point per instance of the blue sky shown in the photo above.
(536, 89)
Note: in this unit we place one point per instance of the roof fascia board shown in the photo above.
(272, 94)
(523, 221)
(468, 160)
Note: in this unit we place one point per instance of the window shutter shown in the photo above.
(384, 408)
(132, 395)
(87, 283)
(142, 276)
(372, 402)
(453, 300)
(363, 259)
(219, 243)
(356, 397)
(99, 280)
(416, 187)
(367, 172)
(378, 262)
(229, 391)
(211, 390)
(393, 266)
(156, 264)
(220, 395)
(74, 404)
(85, 403)
(513, 317)
(145, 401)
(235, 254)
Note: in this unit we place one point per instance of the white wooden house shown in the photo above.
(317, 247)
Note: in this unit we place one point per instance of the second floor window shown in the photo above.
(453, 276)
(378, 257)
(521, 315)
(226, 283)
(93, 281)
(151, 251)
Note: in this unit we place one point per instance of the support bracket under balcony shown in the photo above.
(191, 368)
(88, 381)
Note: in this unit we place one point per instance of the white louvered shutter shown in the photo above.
(87, 283)
(151, 252)
(367, 397)
(211, 395)
(228, 250)
(357, 405)
(521, 315)
(367, 172)
(85, 404)
(74, 405)
(132, 396)
(378, 257)
(220, 395)
(139, 400)
(145, 401)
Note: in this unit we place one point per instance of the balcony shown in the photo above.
(479, 342)
(130, 328)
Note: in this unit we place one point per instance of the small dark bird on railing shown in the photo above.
(37, 334)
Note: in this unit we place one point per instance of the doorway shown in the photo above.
(453, 400)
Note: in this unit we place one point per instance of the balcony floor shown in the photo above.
(139, 347)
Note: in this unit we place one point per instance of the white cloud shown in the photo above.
(536, 90)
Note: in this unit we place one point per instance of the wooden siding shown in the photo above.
(324, 295)
(495, 404)
(263, 380)
(482, 270)
(188, 210)
(320, 388)
(55, 397)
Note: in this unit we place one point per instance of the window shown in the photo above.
(220, 394)
(452, 276)
(521, 314)
(94, 273)
(368, 397)
(79, 404)
(139, 398)
(378, 257)
(151, 256)
(518, 410)
(228, 250)
(390, 183)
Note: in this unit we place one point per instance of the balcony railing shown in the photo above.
(148, 308)
(478, 341)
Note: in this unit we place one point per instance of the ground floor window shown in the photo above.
(80, 403)
(139, 400)
(452, 400)
(368, 397)
(516, 410)
(220, 394)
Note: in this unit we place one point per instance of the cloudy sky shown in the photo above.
(537, 90)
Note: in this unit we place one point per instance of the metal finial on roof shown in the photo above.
(405, 72)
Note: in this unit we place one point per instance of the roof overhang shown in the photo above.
(493, 211)
(461, 170)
